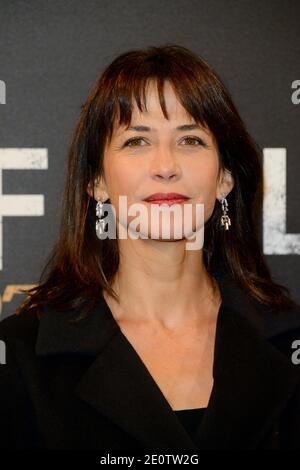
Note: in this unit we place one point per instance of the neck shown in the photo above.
(162, 284)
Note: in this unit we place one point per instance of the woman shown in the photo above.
(139, 342)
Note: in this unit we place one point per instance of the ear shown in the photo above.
(225, 184)
(100, 190)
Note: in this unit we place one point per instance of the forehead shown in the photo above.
(153, 111)
(173, 105)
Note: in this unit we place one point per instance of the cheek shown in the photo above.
(121, 180)
(202, 178)
(203, 183)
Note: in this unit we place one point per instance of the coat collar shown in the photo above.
(252, 379)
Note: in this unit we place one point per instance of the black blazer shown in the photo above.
(85, 387)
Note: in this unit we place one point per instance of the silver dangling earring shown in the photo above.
(225, 219)
(100, 223)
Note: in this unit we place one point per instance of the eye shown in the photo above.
(194, 139)
(133, 140)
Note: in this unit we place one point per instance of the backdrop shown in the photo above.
(52, 52)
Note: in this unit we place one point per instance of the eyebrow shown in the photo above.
(183, 127)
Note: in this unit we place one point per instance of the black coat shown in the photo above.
(85, 387)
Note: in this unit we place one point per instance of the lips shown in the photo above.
(167, 202)
(166, 198)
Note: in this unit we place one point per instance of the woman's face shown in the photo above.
(162, 158)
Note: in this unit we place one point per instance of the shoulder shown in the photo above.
(19, 331)
(282, 321)
(282, 330)
(277, 326)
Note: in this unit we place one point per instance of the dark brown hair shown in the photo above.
(80, 265)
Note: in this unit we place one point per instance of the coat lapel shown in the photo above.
(252, 380)
(119, 385)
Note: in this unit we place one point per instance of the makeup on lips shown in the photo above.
(166, 198)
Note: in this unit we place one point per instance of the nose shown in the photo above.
(164, 165)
